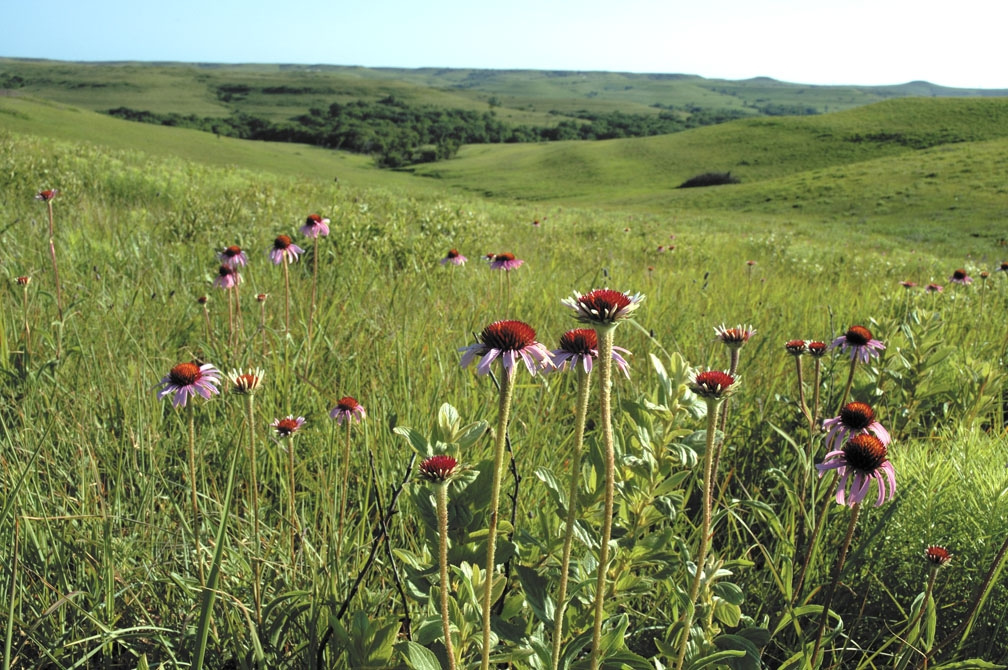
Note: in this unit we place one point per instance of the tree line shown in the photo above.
(398, 133)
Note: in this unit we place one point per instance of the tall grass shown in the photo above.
(94, 496)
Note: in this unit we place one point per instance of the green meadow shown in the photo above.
(138, 534)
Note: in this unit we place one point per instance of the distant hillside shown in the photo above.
(406, 116)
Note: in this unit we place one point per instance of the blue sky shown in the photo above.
(805, 41)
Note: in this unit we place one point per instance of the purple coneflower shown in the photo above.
(438, 468)
(934, 288)
(47, 195)
(937, 555)
(348, 409)
(816, 348)
(506, 262)
(189, 379)
(1003, 267)
(603, 306)
(233, 256)
(863, 458)
(908, 284)
(795, 347)
(854, 418)
(287, 426)
(735, 337)
(245, 383)
(315, 226)
(859, 341)
(227, 277)
(960, 277)
(284, 250)
(713, 384)
(580, 347)
(454, 257)
(511, 341)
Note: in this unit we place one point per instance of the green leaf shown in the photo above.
(536, 593)
(421, 658)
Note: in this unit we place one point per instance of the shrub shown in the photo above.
(710, 179)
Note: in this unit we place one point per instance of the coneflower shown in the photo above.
(603, 310)
(511, 342)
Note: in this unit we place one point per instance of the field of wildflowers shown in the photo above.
(445, 433)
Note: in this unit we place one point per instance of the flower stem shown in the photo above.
(503, 413)
(343, 489)
(605, 349)
(254, 493)
(195, 502)
(441, 496)
(292, 507)
(52, 253)
(584, 382)
(27, 327)
(314, 289)
(713, 404)
(841, 558)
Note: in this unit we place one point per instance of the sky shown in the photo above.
(865, 42)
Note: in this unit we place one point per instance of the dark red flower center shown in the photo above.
(453, 253)
(735, 335)
(502, 258)
(202, 300)
(347, 404)
(865, 452)
(858, 336)
(714, 380)
(285, 427)
(1004, 266)
(508, 335)
(232, 251)
(959, 274)
(937, 554)
(281, 242)
(796, 347)
(857, 415)
(933, 287)
(246, 381)
(225, 271)
(47, 195)
(438, 468)
(313, 220)
(580, 341)
(604, 300)
(184, 374)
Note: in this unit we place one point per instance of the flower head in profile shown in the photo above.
(861, 460)
(439, 468)
(734, 338)
(287, 426)
(189, 379)
(858, 340)
(47, 195)
(908, 284)
(233, 256)
(24, 280)
(934, 288)
(795, 347)
(347, 409)
(261, 297)
(315, 226)
(506, 262)
(510, 341)
(1003, 267)
(227, 277)
(713, 384)
(245, 383)
(603, 306)
(454, 257)
(284, 250)
(580, 347)
(816, 349)
(960, 277)
(937, 555)
(854, 418)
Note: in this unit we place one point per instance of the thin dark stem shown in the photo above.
(52, 253)
(286, 298)
(841, 559)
